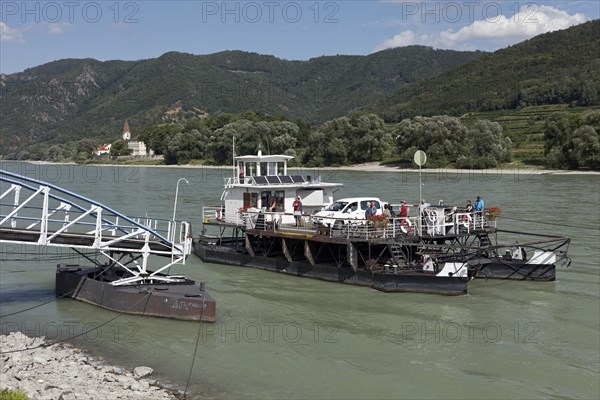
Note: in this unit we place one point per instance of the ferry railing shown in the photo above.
(250, 180)
(378, 228)
(230, 182)
(219, 215)
(464, 221)
(53, 220)
(212, 214)
(452, 223)
(333, 227)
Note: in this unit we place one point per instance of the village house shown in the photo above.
(104, 149)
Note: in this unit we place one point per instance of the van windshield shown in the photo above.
(337, 206)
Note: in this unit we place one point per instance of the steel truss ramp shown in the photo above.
(38, 213)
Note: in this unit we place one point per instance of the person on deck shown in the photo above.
(469, 207)
(479, 204)
(403, 210)
(297, 206)
(386, 211)
(369, 210)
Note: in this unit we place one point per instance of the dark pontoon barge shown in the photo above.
(436, 252)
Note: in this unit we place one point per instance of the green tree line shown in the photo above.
(570, 141)
(358, 138)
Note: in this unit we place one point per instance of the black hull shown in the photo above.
(513, 270)
(402, 281)
(185, 301)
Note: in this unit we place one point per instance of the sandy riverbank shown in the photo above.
(367, 167)
(59, 371)
(377, 167)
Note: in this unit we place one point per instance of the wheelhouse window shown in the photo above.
(267, 198)
(280, 199)
(280, 168)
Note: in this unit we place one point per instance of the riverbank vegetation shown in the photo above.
(552, 136)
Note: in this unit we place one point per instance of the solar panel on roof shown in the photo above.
(297, 178)
(260, 180)
(273, 179)
(286, 179)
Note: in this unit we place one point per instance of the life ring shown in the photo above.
(467, 220)
(406, 225)
(218, 214)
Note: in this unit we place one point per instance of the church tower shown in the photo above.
(126, 132)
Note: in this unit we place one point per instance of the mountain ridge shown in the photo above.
(557, 67)
(73, 98)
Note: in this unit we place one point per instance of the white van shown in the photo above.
(344, 210)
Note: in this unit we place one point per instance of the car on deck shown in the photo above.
(348, 210)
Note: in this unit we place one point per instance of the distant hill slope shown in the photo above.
(78, 98)
(560, 67)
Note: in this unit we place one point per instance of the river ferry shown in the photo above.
(434, 249)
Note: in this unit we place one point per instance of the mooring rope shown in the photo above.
(196, 348)
(44, 345)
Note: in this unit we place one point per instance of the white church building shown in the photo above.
(137, 146)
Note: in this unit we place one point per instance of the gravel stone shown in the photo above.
(65, 373)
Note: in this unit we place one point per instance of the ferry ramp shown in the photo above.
(38, 213)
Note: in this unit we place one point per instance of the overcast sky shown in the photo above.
(36, 32)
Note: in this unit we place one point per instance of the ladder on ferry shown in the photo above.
(484, 239)
(398, 256)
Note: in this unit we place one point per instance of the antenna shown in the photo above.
(233, 158)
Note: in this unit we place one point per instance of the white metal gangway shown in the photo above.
(39, 213)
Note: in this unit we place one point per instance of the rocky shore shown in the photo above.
(62, 372)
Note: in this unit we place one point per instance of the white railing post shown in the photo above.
(145, 252)
(114, 231)
(98, 232)
(13, 221)
(67, 208)
(44, 223)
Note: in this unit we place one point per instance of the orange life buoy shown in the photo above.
(218, 214)
(406, 225)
